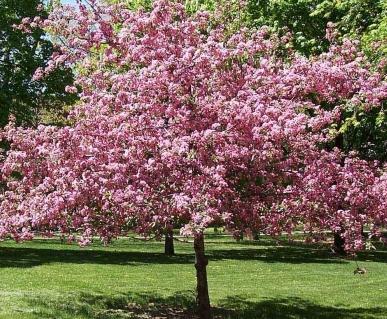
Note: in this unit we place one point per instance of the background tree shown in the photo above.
(20, 55)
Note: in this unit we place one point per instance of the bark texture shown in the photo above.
(203, 299)
(169, 247)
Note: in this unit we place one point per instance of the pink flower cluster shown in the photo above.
(179, 122)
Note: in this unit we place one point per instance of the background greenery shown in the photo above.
(20, 55)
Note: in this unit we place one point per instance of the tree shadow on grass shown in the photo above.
(182, 306)
(23, 257)
(285, 251)
(293, 254)
(30, 257)
(290, 308)
(132, 305)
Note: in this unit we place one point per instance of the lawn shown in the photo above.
(133, 279)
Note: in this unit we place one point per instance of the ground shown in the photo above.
(133, 279)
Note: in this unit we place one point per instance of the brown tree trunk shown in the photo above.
(238, 235)
(256, 235)
(203, 299)
(169, 248)
(338, 244)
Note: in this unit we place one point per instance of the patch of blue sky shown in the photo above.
(68, 2)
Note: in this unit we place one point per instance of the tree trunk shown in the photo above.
(169, 248)
(203, 299)
(363, 233)
(338, 244)
(238, 235)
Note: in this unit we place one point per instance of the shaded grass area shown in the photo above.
(181, 305)
(132, 279)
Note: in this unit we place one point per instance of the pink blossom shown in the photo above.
(176, 124)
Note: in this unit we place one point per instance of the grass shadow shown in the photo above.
(292, 253)
(182, 306)
(30, 257)
(296, 254)
(236, 307)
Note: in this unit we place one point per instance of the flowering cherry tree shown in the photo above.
(180, 122)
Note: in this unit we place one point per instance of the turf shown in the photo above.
(133, 279)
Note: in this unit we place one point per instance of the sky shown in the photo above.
(68, 1)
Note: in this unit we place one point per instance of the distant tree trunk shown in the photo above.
(363, 233)
(201, 262)
(238, 235)
(338, 241)
(338, 244)
(169, 248)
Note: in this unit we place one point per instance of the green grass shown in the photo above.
(133, 279)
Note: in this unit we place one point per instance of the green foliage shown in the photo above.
(294, 16)
(351, 16)
(375, 39)
(20, 55)
(365, 132)
(134, 4)
(307, 19)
